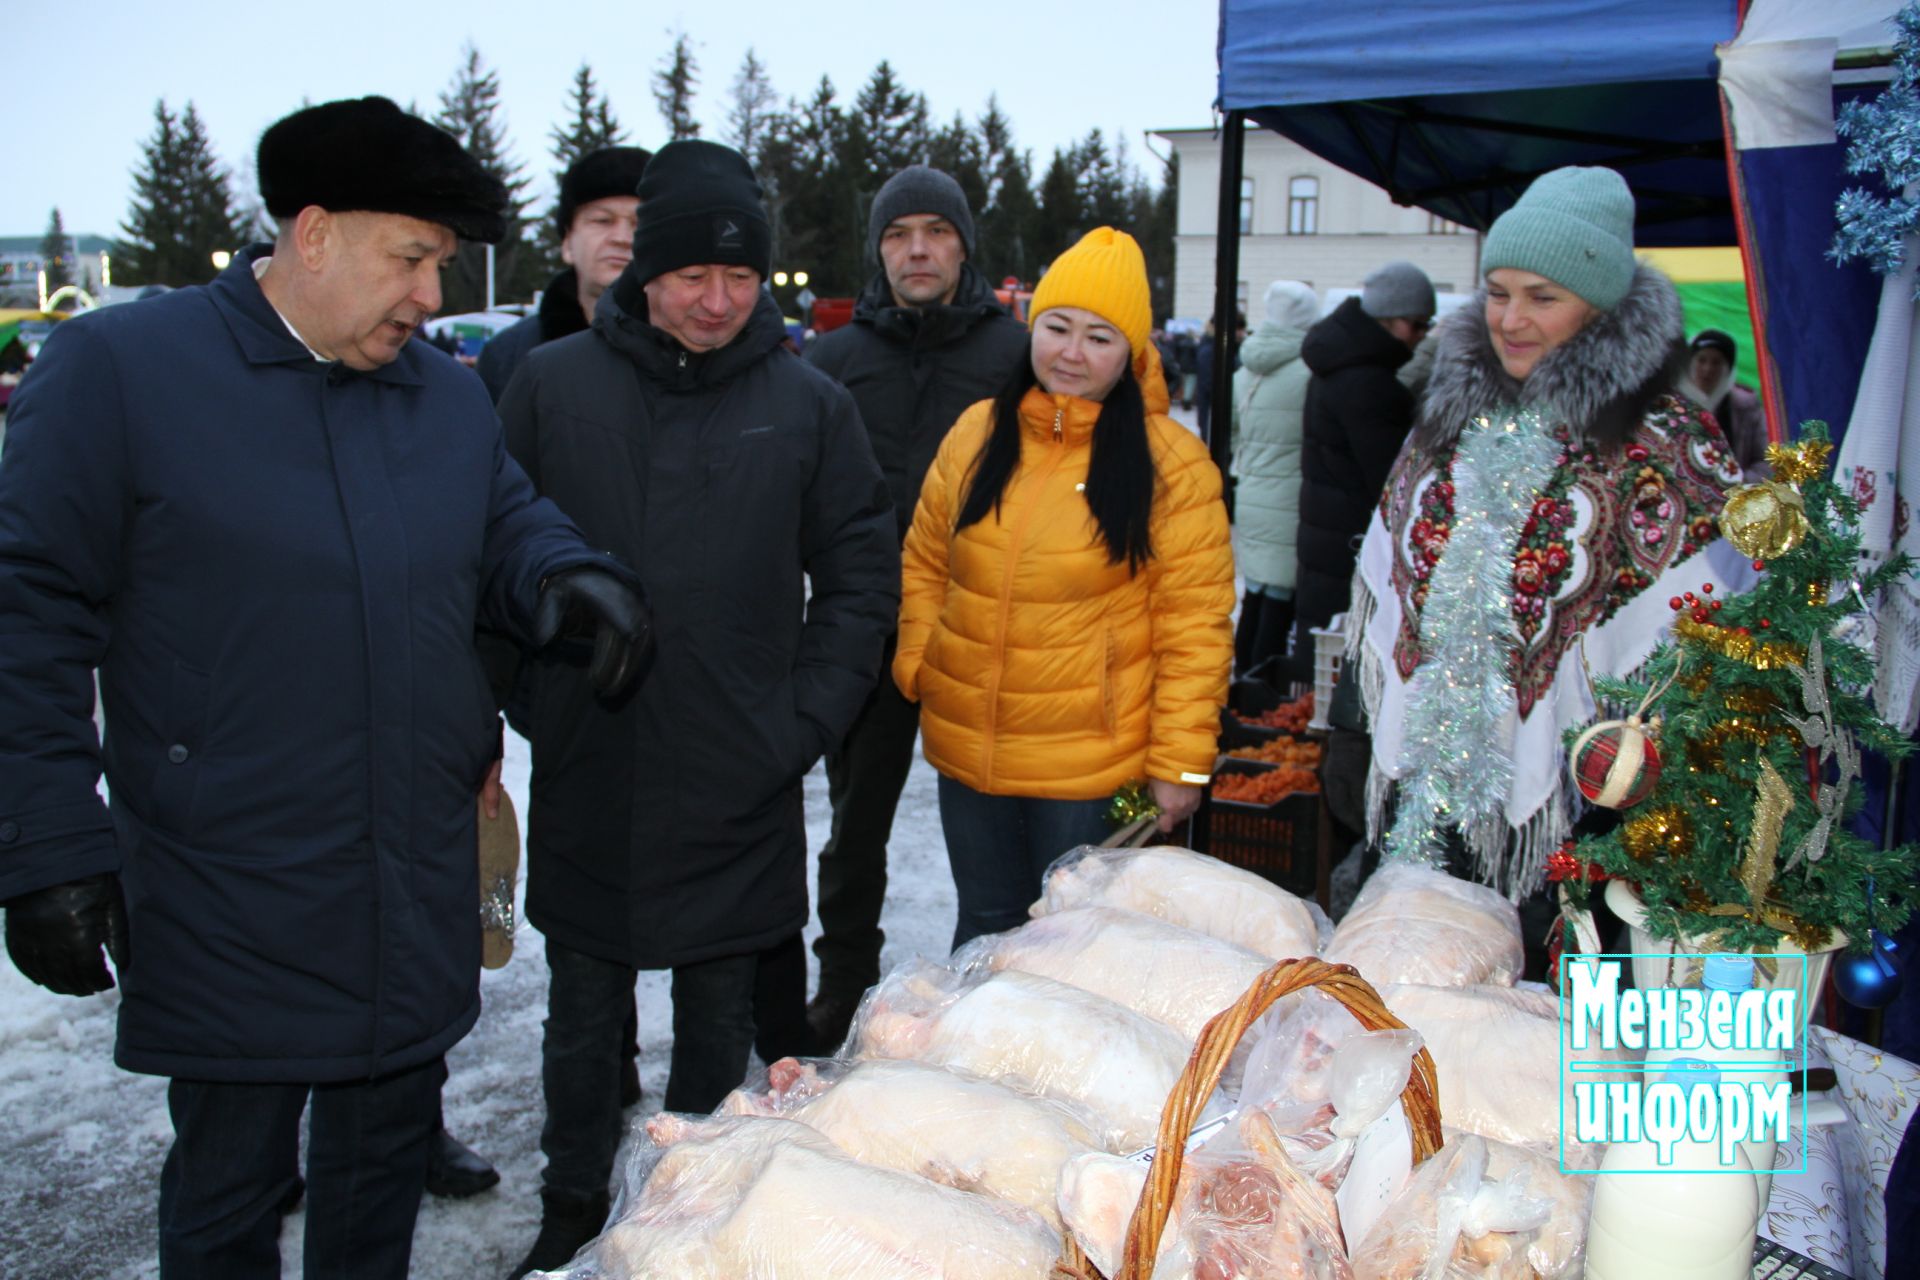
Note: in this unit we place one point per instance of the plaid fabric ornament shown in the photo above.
(1615, 763)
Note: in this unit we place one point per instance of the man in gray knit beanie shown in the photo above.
(928, 338)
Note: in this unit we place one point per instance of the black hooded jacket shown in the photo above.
(1357, 417)
(913, 369)
(666, 828)
(557, 316)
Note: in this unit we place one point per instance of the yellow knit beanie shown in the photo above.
(1106, 274)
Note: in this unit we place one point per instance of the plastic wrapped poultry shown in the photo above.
(1496, 1051)
(1031, 1033)
(1172, 974)
(1457, 1220)
(940, 1124)
(1242, 1211)
(1415, 924)
(1188, 889)
(1323, 1080)
(758, 1198)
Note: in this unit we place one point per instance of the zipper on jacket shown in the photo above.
(1058, 433)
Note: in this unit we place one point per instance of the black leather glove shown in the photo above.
(589, 600)
(54, 935)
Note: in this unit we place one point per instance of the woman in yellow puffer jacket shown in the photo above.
(1065, 620)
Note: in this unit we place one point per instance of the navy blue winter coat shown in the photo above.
(276, 564)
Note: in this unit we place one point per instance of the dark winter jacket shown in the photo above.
(913, 369)
(666, 828)
(1357, 416)
(276, 564)
(557, 316)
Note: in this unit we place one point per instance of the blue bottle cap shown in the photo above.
(1727, 973)
(1687, 1072)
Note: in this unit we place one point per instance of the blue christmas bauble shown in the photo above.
(1870, 981)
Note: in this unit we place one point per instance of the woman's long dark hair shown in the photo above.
(1120, 476)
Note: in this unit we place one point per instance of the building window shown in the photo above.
(1303, 206)
(1439, 226)
(1246, 206)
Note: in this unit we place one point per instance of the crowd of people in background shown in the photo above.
(687, 563)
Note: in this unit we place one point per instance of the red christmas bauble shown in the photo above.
(1615, 763)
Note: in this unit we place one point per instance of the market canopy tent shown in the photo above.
(1457, 107)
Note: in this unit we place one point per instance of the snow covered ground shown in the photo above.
(81, 1142)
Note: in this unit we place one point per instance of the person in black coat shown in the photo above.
(928, 338)
(594, 221)
(269, 521)
(595, 218)
(665, 829)
(1357, 416)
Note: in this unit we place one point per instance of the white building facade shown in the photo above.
(1301, 218)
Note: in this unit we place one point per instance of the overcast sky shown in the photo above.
(1060, 68)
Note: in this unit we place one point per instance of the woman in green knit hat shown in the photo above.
(1553, 490)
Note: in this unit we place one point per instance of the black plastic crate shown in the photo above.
(1278, 841)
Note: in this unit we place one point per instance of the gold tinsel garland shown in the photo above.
(1762, 656)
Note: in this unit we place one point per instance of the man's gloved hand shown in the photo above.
(55, 934)
(585, 600)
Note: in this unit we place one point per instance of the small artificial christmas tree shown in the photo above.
(1756, 710)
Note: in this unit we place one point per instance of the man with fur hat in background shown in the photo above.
(665, 828)
(928, 338)
(270, 521)
(595, 219)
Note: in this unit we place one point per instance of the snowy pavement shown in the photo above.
(81, 1142)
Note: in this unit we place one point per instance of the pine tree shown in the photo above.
(470, 111)
(590, 126)
(1103, 182)
(56, 253)
(751, 111)
(956, 150)
(1009, 230)
(182, 210)
(823, 196)
(673, 88)
(1759, 700)
(888, 127)
(1062, 218)
(1156, 216)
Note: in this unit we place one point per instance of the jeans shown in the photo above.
(235, 1155)
(588, 1000)
(1001, 846)
(864, 781)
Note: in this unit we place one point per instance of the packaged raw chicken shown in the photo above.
(1242, 1211)
(941, 1124)
(759, 1198)
(1415, 924)
(1187, 889)
(1172, 974)
(1496, 1052)
(1030, 1033)
(1322, 1080)
(1452, 1221)
(1558, 1248)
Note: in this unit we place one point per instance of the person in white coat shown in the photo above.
(1269, 404)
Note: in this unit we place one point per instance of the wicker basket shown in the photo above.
(1196, 1084)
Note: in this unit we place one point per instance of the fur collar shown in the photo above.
(1600, 382)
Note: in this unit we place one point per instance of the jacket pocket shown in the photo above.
(182, 744)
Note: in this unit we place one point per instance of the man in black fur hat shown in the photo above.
(596, 216)
(269, 520)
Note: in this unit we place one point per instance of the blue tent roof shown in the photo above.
(1457, 107)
